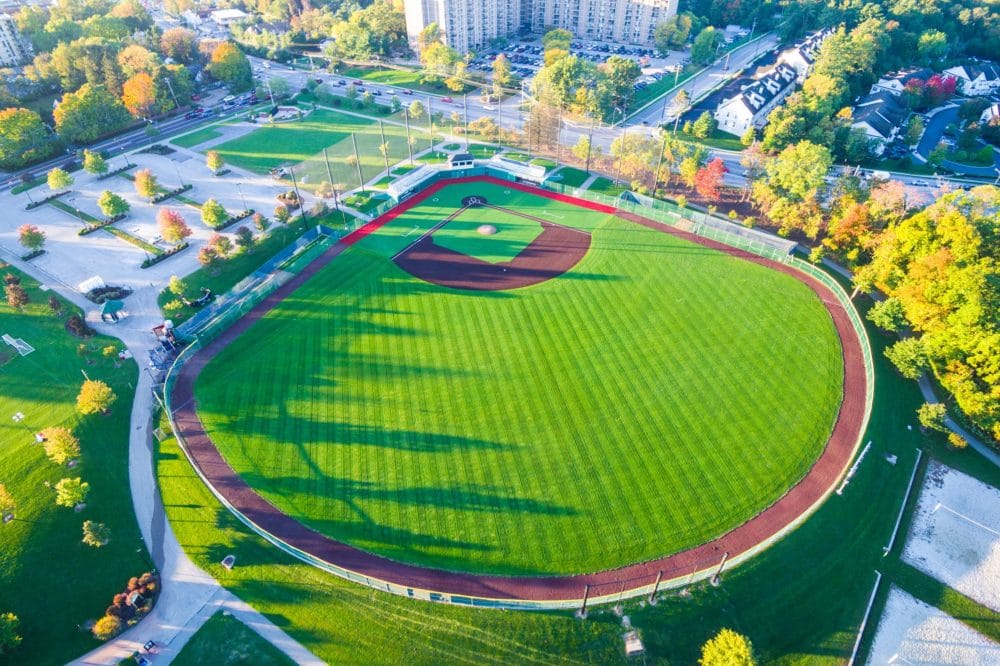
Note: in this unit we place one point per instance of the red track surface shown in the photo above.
(798, 500)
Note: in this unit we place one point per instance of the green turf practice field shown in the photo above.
(620, 412)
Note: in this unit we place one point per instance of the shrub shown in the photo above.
(60, 445)
(96, 534)
(727, 648)
(95, 396)
(176, 286)
(173, 307)
(7, 503)
(107, 628)
(55, 305)
(17, 297)
(957, 441)
(78, 327)
(9, 638)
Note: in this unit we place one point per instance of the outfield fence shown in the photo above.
(650, 582)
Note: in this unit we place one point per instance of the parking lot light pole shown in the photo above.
(239, 187)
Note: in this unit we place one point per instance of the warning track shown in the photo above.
(765, 526)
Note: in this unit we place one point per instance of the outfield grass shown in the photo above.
(717, 139)
(48, 578)
(570, 177)
(514, 233)
(225, 641)
(456, 427)
(197, 137)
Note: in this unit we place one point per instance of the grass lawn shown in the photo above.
(545, 162)
(196, 137)
(48, 577)
(453, 465)
(232, 270)
(657, 88)
(570, 177)
(603, 185)
(399, 78)
(432, 157)
(518, 157)
(303, 141)
(24, 187)
(717, 139)
(482, 151)
(514, 233)
(225, 641)
(452, 146)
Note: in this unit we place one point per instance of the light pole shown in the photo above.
(19, 418)
(179, 176)
(239, 187)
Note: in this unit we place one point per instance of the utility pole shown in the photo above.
(357, 162)
(430, 122)
(166, 79)
(590, 142)
(384, 148)
(659, 162)
(406, 121)
(621, 155)
(302, 203)
(329, 171)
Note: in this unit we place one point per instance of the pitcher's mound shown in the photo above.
(486, 229)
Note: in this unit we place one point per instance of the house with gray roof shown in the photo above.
(750, 107)
(880, 115)
(976, 79)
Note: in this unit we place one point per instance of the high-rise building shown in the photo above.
(618, 21)
(468, 25)
(13, 50)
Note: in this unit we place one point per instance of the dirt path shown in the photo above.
(786, 511)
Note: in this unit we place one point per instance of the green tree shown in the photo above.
(96, 534)
(501, 74)
(9, 626)
(60, 445)
(112, 204)
(430, 34)
(416, 110)
(557, 38)
(180, 44)
(95, 396)
(704, 125)
(888, 314)
(909, 356)
(914, 130)
(88, 114)
(704, 46)
(749, 136)
(213, 214)
(214, 161)
(31, 237)
(58, 179)
(146, 184)
(94, 162)
(727, 648)
(792, 186)
(620, 75)
(438, 61)
(176, 286)
(932, 415)
(281, 213)
(229, 65)
(71, 492)
(23, 138)
(932, 46)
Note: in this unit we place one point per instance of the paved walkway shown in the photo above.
(189, 595)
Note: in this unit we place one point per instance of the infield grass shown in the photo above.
(514, 233)
(575, 425)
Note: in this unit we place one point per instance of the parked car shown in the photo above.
(407, 91)
(447, 100)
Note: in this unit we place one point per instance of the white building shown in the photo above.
(990, 114)
(978, 79)
(752, 105)
(227, 17)
(13, 49)
(880, 115)
(468, 25)
(802, 56)
(895, 82)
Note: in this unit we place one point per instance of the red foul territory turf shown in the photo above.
(798, 500)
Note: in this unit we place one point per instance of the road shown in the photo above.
(936, 126)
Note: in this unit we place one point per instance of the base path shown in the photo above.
(799, 501)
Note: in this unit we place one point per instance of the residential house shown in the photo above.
(226, 17)
(755, 101)
(895, 82)
(977, 79)
(802, 56)
(880, 115)
(991, 115)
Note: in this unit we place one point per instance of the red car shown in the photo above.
(447, 100)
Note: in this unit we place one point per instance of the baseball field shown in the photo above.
(567, 392)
